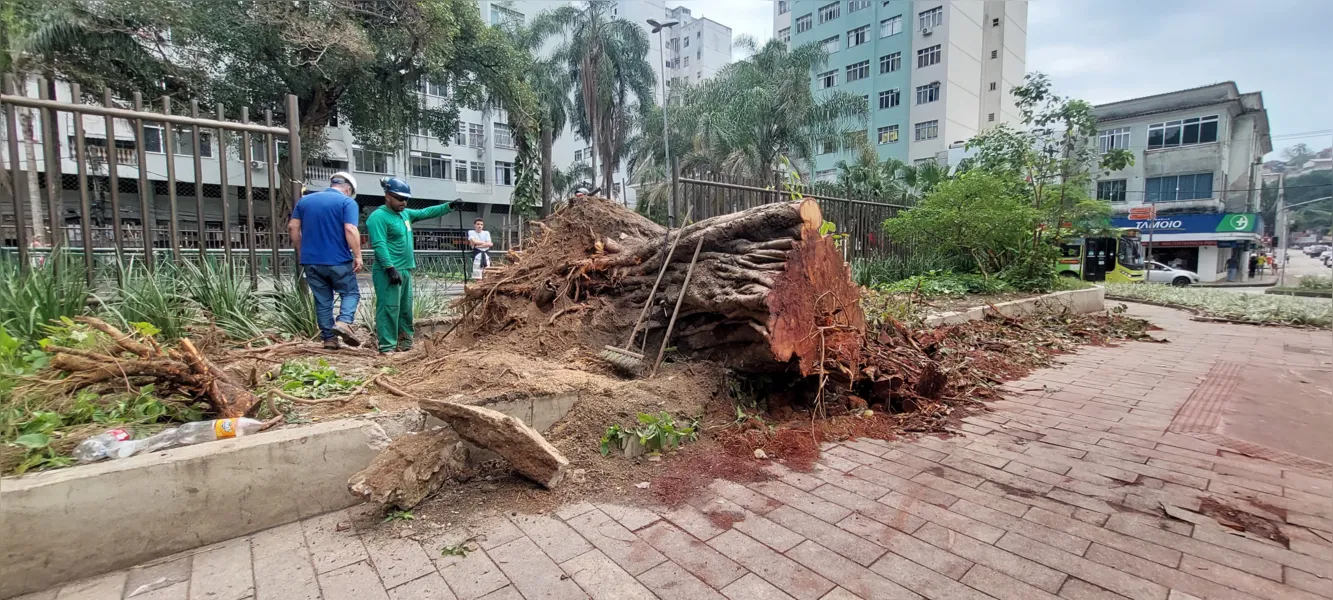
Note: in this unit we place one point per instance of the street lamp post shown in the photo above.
(666, 131)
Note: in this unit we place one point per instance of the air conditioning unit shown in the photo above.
(925, 31)
(256, 164)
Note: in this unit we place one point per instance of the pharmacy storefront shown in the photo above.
(1200, 242)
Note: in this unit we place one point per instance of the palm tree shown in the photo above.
(606, 58)
(551, 84)
(753, 118)
(564, 181)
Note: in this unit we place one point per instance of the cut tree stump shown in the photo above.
(525, 449)
(411, 468)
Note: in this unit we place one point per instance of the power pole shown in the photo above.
(1281, 228)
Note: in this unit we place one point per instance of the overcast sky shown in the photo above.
(1104, 51)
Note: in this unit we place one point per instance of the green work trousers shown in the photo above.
(393, 310)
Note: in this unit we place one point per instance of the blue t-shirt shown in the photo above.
(322, 216)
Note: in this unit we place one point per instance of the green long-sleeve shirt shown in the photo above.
(391, 234)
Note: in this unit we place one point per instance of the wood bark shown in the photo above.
(525, 449)
(769, 291)
(411, 468)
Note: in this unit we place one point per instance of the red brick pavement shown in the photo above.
(1056, 493)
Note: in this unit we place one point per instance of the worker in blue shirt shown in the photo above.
(323, 230)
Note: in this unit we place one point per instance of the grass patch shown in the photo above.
(1248, 308)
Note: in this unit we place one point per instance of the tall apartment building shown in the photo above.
(933, 72)
(698, 47)
(1198, 159)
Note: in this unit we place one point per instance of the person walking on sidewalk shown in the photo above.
(1256, 264)
(390, 230)
(1233, 268)
(323, 230)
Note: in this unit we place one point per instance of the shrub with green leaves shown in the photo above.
(945, 284)
(319, 380)
(1250, 308)
(155, 296)
(292, 310)
(1316, 282)
(28, 301)
(223, 292)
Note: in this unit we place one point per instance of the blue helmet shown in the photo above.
(397, 187)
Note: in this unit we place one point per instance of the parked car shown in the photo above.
(1314, 250)
(1327, 257)
(1160, 273)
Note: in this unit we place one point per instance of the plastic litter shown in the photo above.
(116, 443)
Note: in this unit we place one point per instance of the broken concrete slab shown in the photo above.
(525, 449)
(411, 468)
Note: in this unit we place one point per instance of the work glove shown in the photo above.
(394, 277)
(455, 205)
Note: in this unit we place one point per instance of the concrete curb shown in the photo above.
(1088, 300)
(64, 525)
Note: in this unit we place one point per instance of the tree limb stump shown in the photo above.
(525, 449)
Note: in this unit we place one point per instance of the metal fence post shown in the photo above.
(85, 205)
(147, 211)
(51, 153)
(197, 148)
(675, 193)
(226, 187)
(20, 208)
(113, 177)
(169, 145)
(271, 149)
(250, 240)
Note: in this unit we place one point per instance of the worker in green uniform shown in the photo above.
(390, 231)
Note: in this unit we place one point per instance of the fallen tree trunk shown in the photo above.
(525, 449)
(411, 468)
(769, 291)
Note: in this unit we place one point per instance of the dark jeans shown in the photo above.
(324, 280)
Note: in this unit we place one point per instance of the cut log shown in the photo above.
(525, 449)
(411, 469)
(769, 292)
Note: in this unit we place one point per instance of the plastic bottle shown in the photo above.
(221, 429)
(116, 443)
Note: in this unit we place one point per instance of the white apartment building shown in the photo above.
(698, 48)
(934, 72)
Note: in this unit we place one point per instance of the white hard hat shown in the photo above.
(344, 175)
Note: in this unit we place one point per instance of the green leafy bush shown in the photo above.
(871, 272)
(158, 297)
(319, 380)
(293, 310)
(224, 293)
(945, 284)
(1252, 308)
(1316, 282)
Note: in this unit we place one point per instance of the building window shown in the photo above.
(460, 171)
(184, 141)
(1180, 187)
(1113, 139)
(992, 86)
(855, 5)
(1185, 132)
(699, 55)
(931, 18)
(858, 71)
(504, 173)
(687, 41)
(829, 12)
(430, 165)
(994, 53)
(858, 36)
(888, 134)
(991, 117)
(784, 34)
(784, 6)
(828, 146)
(687, 61)
(995, 22)
(890, 62)
(478, 171)
(804, 23)
(369, 161)
(889, 99)
(827, 175)
(928, 56)
(504, 138)
(891, 26)
(430, 88)
(830, 45)
(1111, 191)
(827, 79)
(928, 93)
(927, 130)
(505, 17)
(476, 135)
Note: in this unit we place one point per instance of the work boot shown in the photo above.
(332, 344)
(344, 331)
(404, 344)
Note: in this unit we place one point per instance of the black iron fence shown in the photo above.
(118, 209)
(858, 223)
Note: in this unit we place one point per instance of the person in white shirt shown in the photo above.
(480, 240)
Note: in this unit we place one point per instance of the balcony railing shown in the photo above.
(97, 155)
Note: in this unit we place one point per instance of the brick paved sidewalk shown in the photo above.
(1058, 493)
